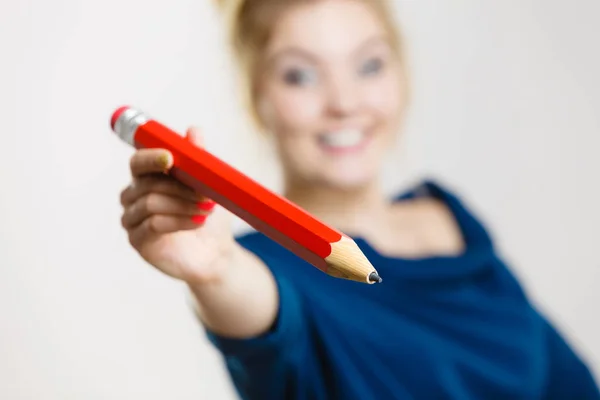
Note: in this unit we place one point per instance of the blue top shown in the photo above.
(455, 327)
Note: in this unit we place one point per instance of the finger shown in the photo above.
(159, 225)
(161, 184)
(156, 203)
(194, 135)
(150, 161)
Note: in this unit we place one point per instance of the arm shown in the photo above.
(569, 377)
(180, 233)
(252, 315)
(265, 362)
(242, 302)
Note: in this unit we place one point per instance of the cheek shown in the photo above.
(384, 95)
(296, 111)
(293, 118)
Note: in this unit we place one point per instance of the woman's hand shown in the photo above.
(175, 230)
(170, 225)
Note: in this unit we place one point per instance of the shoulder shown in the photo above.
(434, 223)
(443, 215)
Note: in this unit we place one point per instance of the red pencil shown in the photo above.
(279, 219)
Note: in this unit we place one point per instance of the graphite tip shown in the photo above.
(375, 278)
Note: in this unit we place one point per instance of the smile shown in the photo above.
(343, 141)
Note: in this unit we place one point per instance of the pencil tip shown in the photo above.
(375, 278)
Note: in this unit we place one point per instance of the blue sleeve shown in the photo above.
(569, 377)
(267, 367)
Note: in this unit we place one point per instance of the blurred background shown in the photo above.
(506, 110)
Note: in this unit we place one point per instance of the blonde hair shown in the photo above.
(250, 24)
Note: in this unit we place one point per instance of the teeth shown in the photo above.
(341, 139)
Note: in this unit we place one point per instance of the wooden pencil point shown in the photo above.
(347, 261)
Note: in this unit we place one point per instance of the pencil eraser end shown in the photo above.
(116, 115)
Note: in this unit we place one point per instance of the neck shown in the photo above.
(353, 211)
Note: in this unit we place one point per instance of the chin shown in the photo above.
(349, 180)
(339, 172)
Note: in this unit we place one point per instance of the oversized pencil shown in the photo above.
(279, 219)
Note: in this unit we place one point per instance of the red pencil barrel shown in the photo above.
(245, 193)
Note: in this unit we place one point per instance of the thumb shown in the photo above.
(194, 135)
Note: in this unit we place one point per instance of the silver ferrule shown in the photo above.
(128, 122)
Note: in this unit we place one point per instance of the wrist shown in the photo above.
(218, 272)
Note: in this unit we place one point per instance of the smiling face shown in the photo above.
(331, 92)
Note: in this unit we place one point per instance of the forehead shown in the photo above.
(326, 28)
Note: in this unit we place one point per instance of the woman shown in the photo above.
(326, 80)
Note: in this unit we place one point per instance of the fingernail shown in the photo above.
(206, 205)
(164, 160)
(199, 219)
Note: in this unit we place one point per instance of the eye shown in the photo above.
(300, 77)
(371, 67)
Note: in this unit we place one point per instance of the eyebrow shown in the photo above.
(302, 53)
(294, 52)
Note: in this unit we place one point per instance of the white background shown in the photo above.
(506, 111)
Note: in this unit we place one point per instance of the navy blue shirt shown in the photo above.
(448, 327)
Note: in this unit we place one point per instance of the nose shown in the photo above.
(344, 96)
